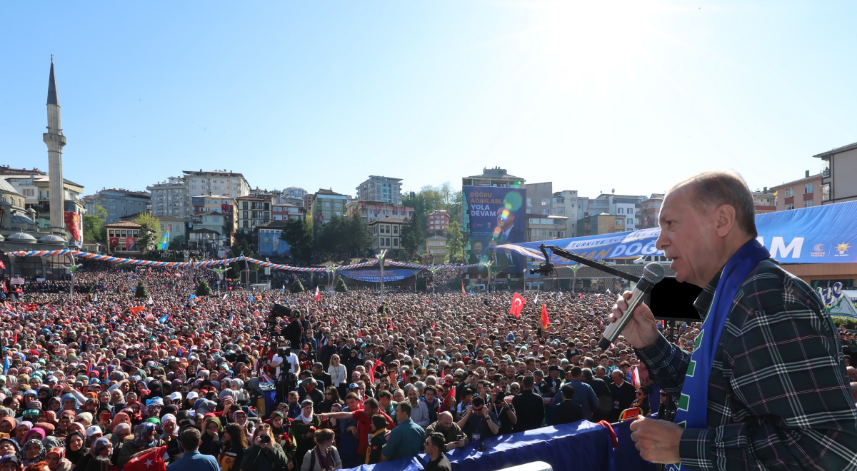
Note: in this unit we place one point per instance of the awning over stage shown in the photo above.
(374, 276)
(822, 234)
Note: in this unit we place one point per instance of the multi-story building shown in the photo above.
(325, 204)
(568, 204)
(649, 210)
(212, 203)
(210, 230)
(494, 177)
(252, 211)
(545, 227)
(436, 249)
(383, 189)
(764, 201)
(118, 203)
(803, 193)
(122, 238)
(287, 212)
(217, 182)
(438, 221)
(539, 198)
(295, 192)
(34, 185)
(601, 224)
(839, 177)
(386, 233)
(170, 198)
(626, 207)
(373, 210)
(175, 226)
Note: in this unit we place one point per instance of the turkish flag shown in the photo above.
(545, 319)
(152, 460)
(517, 305)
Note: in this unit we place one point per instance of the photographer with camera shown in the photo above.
(264, 453)
(286, 378)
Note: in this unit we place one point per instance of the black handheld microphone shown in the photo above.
(653, 273)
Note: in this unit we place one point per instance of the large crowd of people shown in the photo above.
(98, 381)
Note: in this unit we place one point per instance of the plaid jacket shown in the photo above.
(778, 394)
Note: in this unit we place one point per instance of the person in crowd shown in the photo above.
(419, 409)
(434, 447)
(622, 392)
(302, 430)
(377, 440)
(324, 456)
(530, 407)
(568, 411)
(265, 453)
(642, 400)
(453, 437)
(479, 422)
(192, 459)
(406, 439)
(232, 448)
(584, 395)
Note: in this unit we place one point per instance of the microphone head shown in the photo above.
(653, 273)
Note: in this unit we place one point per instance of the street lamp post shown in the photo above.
(72, 268)
(380, 258)
(488, 266)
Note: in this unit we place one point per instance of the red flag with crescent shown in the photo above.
(517, 305)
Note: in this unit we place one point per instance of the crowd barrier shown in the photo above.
(580, 446)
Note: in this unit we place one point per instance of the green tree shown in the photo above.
(298, 235)
(297, 287)
(141, 292)
(340, 286)
(178, 242)
(413, 236)
(454, 244)
(100, 212)
(92, 226)
(150, 232)
(203, 289)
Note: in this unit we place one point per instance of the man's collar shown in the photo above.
(706, 297)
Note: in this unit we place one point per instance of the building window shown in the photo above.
(790, 192)
(808, 204)
(630, 210)
(629, 222)
(546, 201)
(825, 192)
(618, 221)
(808, 188)
(395, 230)
(395, 242)
(790, 206)
(620, 211)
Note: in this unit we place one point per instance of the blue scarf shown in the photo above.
(693, 404)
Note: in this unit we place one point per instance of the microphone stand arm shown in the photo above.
(589, 263)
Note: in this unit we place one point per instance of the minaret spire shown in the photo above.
(55, 141)
(53, 98)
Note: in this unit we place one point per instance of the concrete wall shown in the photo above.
(845, 176)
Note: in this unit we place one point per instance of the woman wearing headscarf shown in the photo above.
(45, 394)
(32, 452)
(8, 425)
(75, 447)
(144, 439)
(211, 431)
(169, 424)
(11, 463)
(21, 431)
(55, 458)
(136, 415)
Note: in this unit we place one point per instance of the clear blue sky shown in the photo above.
(592, 95)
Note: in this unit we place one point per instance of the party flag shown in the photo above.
(163, 320)
(545, 319)
(6, 364)
(462, 289)
(317, 294)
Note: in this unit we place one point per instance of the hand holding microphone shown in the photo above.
(639, 327)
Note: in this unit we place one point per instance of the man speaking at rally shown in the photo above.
(766, 385)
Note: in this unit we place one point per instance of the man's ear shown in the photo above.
(725, 221)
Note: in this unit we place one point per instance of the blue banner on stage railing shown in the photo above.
(374, 276)
(821, 234)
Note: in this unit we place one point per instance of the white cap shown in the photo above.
(176, 396)
(191, 396)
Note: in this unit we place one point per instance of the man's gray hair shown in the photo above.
(718, 187)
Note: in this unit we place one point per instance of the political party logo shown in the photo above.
(842, 249)
(817, 251)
